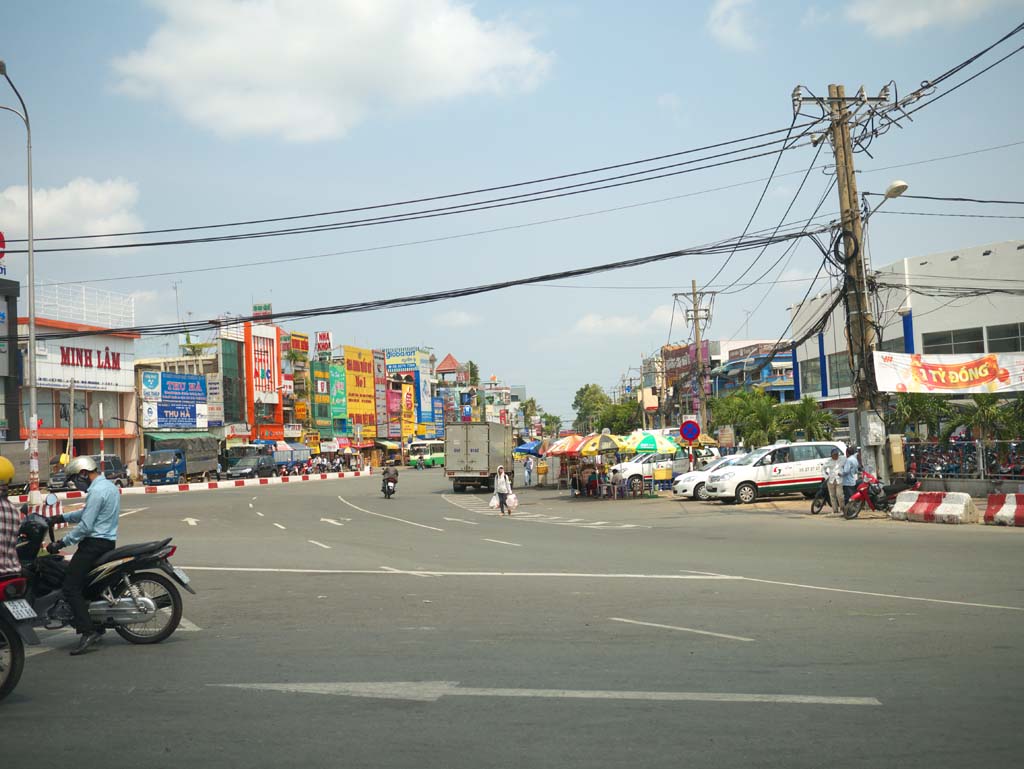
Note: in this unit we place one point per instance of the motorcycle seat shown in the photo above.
(129, 551)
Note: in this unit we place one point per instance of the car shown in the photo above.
(692, 484)
(641, 468)
(782, 468)
(113, 468)
(253, 467)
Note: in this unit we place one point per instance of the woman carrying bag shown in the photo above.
(502, 488)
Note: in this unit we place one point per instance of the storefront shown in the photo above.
(85, 388)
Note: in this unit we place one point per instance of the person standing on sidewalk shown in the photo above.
(851, 471)
(528, 470)
(503, 487)
(834, 480)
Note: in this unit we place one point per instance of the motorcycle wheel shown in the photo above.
(817, 505)
(168, 613)
(853, 508)
(12, 658)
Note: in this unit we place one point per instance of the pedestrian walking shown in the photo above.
(503, 487)
(851, 471)
(834, 480)
(528, 470)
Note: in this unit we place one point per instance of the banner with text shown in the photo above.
(359, 386)
(949, 374)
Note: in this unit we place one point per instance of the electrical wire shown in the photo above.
(954, 216)
(947, 199)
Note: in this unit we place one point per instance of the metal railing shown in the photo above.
(1003, 460)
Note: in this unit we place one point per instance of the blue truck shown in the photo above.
(181, 460)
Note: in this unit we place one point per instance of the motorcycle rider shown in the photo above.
(390, 474)
(10, 520)
(96, 535)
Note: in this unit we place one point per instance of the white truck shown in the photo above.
(474, 450)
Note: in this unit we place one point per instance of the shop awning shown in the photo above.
(180, 436)
(389, 445)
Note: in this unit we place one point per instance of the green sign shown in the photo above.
(339, 402)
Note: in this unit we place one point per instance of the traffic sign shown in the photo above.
(689, 430)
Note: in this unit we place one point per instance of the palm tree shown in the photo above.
(474, 374)
(552, 424)
(986, 417)
(763, 421)
(529, 409)
(808, 417)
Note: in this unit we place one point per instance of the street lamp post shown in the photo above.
(34, 496)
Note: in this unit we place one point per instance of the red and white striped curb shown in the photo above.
(934, 507)
(174, 488)
(1005, 509)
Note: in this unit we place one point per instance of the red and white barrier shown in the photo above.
(934, 507)
(174, 488)
(1005, 509)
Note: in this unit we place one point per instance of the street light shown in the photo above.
(34, 498)
(896, 188)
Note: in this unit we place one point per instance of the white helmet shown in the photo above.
(80, 464)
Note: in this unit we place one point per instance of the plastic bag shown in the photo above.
(512, 501)
(493, 504)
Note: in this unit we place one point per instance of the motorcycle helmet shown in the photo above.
(6, 476)
(78, 470)
(33, 529)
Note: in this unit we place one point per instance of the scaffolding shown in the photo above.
(86, 305)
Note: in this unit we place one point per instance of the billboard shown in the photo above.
(174, 415)
(320, 378)
(394, 420)
(215, 400)
(414, 362)
(324, 342)
(949, 374)
(408, 410)
(94, 363)
(380, 390)
(299, 342)
(266, 366)
(438, 404)
(359, 385)
(265, 310)
(339, 407)
(166, 387)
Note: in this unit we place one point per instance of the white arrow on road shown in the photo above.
(471, 523)
(431, 691)
(331, 520)
(190, 521)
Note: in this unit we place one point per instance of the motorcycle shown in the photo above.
(821, 498)
(870, 491)
(125, 590)
(16, 616)
(390, 484)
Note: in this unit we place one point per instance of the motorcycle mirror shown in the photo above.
(51, 500)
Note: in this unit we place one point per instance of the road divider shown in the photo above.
(174, 488)
(1005, 509)
(934, 507)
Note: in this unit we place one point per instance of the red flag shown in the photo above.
(3, 246)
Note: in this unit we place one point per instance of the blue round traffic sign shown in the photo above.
(690, 430)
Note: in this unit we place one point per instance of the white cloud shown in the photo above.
(814, 17)
(884, 18)
(729, 24)
(624, 325)
(309, 70)
(83, 206)
(456, 319)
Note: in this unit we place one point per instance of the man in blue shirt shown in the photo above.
(851, 471)
(95, 534)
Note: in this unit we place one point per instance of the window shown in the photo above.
(111, 410)
(81, 409)
(1006, 338)
(44, 406)
(891, 345)
(964, 340)
(839, 374)
(810, 376)
(804, 453)
(825, 450)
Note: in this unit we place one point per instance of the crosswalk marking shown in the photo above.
(480, 506)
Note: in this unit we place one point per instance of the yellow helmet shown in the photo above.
(6, 471)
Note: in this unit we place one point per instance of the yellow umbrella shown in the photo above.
(597, 444)
(565, 446)
(650, 443)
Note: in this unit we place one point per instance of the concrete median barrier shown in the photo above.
(1005, 509)
(934, 507)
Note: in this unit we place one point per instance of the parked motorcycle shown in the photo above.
(125, 590)
(16, 616)
(821, 498)
(870, 491)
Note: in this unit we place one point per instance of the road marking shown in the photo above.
(188, 626)
(250, 504)
(332, 521)
(259, 514)
(501, 542)
(479, 506)
(190, 521)
(573, 575)
(391, 517)
(432, 691)
(133, 512)
(280, 527)
(471, 523)
(391, 570)
(685, 629)
(886, 595)
(319, 544)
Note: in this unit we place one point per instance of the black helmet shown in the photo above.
(34, 528)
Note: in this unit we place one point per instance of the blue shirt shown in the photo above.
(99, 516)
(850, 470)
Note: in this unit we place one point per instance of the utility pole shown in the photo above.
(698, 315)
(860, 324)
(71, 422)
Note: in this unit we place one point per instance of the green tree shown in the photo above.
(620, 418)
(987, 417)
(808, 418)
(590, 400)
(529, 409)
(763, 421)
(552, 424)
(910, 410)
(474, 374)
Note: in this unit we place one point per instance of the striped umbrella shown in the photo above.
(597, 444)
(565, 446)
(651, 443)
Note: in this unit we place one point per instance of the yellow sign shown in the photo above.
(362, 404)
(301, 410)
(408, 409)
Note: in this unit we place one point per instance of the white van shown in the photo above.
(783, 468)
(640, 469)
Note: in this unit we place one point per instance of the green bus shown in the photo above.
(432, 453)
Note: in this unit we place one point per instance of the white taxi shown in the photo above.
(692, 484)
(783, 468)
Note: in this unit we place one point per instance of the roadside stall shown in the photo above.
(642, 442)
(603, 451)
(567, 451)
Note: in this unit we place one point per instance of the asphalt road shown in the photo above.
(335, 628)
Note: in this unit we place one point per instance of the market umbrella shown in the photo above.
(532, 448)
(598, 444)
(564, 446)
(651, 443)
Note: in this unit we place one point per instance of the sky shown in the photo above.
(166, 114)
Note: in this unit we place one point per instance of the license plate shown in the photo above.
(20, 609)
(180, 574)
